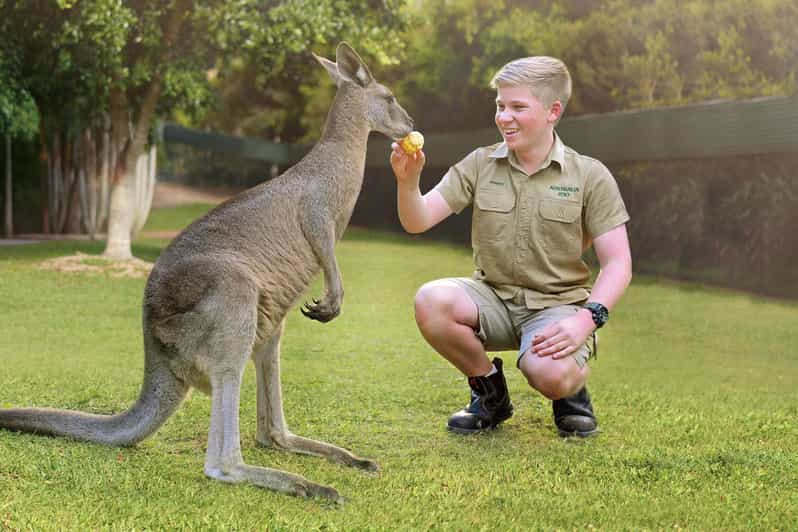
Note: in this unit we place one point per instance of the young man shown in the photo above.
(537, 206)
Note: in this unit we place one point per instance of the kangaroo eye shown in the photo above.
(390, 98)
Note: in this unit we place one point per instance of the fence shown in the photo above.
(712, 188)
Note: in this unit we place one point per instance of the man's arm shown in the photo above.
(417, 213)
(615, 259)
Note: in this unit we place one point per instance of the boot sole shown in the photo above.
(577, 433)
(461, 430)
(458, 430)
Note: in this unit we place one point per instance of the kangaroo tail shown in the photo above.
(161, 394)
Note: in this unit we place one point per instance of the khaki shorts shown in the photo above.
(506, 325)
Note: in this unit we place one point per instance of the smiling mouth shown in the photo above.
(510, 132)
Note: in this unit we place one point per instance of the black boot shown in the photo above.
(574, 415)
(490, 404)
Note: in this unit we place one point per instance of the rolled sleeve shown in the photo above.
(457, 185)
(604, 206)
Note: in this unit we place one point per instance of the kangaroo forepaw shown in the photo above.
(322, 311)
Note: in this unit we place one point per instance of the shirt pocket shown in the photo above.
(494, 210)
(561, 226)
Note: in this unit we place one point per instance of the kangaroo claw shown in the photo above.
(319, 311)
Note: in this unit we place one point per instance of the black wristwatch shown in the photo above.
(599, 312)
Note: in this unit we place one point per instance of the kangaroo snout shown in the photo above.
(401, 128)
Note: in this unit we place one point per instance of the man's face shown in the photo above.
(524, 122)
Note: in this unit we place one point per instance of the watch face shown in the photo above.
(599, 312)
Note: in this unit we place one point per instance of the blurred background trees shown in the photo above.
(243, 67)
(623, 54)
(101, 71)
(18, 118)
(94, 75)
(439, 56)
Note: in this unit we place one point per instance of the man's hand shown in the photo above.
(407, 168)
(562, 338)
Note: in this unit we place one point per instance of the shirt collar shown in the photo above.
(557, 154)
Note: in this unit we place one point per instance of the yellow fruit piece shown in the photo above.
(413, 142)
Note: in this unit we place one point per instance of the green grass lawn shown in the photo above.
(696, 390)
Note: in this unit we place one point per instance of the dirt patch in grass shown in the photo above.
(95, 264)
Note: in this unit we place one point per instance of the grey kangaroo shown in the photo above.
(219, 293)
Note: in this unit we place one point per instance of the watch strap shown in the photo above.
(599, 313)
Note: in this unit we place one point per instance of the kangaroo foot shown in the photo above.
(274, 479)
(324, 310)
(300, 445)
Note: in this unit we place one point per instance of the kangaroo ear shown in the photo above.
(351, 67)
(330, 67)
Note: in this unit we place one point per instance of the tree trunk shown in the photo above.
(44, 179)
(105, 172)
(131, 198)
(146, 170)
(73, 212)
(9, 213)
(120, 221)
(122, 218)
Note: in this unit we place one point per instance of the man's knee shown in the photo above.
(433, 300)
(554, 379)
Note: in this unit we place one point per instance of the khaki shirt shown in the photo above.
(528, 232)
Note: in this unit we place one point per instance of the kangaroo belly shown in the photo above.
(280, 291)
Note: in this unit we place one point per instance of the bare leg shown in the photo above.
(272, 430)
(555, 379)
(447, 318)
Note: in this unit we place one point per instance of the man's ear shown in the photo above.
(555, 111)
(351, 67)
(330, 67)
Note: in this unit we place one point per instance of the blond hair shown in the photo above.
(546, 77)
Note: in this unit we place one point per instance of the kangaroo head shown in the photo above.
(383, 112)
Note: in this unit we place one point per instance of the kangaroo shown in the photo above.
(219, 293)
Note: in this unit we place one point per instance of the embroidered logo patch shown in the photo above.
(564, 191)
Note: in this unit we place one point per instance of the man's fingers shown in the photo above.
(551, 347)
(564, 352)
(549, 332)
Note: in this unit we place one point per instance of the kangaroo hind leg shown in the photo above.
(224, 461)
(272, 430)
(228, 347)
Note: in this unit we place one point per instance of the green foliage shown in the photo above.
(244, 66)
(73, 53)
(653, 76)
(623, 54)
(270, 86)
(67, 54)
(697, 407)
(19, 116)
